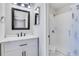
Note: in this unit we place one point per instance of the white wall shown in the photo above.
(42, 30)
(63, 10)
(63, 28)
(2, 23)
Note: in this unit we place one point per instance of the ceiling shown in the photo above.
(57, 6)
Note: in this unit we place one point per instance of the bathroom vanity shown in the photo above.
(17, 35)
(19, 46)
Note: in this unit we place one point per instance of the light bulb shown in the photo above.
(22, 5)
(37, 9)
(28, 6)
(15, 3)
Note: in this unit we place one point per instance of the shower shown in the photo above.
(60, 32)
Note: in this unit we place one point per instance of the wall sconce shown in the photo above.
(38, 9)
(29, 6)
(37, 16)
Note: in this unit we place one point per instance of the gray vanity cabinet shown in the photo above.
(20, 48)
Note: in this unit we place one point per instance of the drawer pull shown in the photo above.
(23, 44)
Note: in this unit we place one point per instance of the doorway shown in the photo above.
(59, 28)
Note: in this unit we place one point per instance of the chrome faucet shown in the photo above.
(21, 34)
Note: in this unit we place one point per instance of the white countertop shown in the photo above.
(7, 39)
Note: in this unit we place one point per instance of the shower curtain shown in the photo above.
(74, 44)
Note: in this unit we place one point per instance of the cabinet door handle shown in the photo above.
(23, 44)
(23, 53)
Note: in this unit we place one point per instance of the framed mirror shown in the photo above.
(20, 19)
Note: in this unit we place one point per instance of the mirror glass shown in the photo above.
(20, 19)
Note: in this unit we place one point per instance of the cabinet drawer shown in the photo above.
(19, 44)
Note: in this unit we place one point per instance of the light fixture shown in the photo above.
(29, 5)
(15, 3)
(37, 9)
(22, 5)
(26, 5)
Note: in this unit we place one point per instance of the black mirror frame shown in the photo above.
(13, 9)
